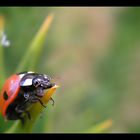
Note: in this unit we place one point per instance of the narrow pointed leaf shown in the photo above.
(2, 70)
(32, 54)
(100, 127)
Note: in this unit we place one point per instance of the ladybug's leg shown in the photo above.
(20, 109)
(28, 114)
(26, 96)
(39, 92)
(52, 101)
(34, 99)
(22, 120)
(41, 103)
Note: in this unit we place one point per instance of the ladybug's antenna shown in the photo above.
(56, 79)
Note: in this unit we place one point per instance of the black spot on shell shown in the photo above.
(5, 96)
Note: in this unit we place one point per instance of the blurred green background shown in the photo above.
(95, 52)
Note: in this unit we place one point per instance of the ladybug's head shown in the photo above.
(43, 81)
(32, 81)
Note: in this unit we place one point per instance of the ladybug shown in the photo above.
(20, 91)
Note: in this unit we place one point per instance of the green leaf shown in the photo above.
(2, 70)
(34, 51)
(100, 127)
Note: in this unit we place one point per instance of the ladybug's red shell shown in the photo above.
(11, 88)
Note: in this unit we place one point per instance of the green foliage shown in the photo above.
(100, 128)
(2, 73)
(35, 49)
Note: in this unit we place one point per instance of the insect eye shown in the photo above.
(36, 83)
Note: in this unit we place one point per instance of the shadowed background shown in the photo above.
(95, 54)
